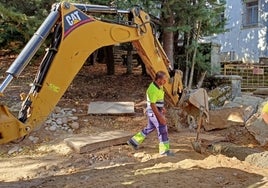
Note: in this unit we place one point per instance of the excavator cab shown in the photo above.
(76, 33)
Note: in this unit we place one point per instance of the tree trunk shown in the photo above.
(168, 37)
(194, 55)
(186, 76)
(129, 59)
(176, 50)
(109, 58)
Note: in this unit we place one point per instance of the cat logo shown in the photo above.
(73, 18)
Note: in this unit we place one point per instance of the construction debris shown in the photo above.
(244, 101)
(233, 150)
(102, 107)
(235, 112)
(218, 96)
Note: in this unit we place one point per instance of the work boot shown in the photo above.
(132, 144)
(168, 153)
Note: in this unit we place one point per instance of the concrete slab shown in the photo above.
(102, 107)
(83, 144)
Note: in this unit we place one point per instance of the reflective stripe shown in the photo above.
(163, 147)
(138, 138)
(160, 104)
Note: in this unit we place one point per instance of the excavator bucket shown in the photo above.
(10, 127)
(196, 100)
(199, 99)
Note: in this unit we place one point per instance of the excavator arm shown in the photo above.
(75, 35)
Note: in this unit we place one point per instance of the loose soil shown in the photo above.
(50, 163)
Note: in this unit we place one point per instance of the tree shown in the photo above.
(186, 21)
(195, 19)
(168, 34)
(182, 22)
(12, 25)
(20, 19)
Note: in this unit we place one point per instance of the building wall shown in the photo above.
(243, 43)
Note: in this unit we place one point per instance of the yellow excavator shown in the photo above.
(76, 33)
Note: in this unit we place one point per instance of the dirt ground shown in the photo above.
(50, 163)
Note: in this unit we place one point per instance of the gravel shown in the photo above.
(62, 119)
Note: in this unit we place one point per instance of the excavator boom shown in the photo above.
(75, 35)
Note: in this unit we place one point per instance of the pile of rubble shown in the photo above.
(62, 119)
(218, 96)
(241, 111)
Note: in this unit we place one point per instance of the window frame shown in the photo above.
(250, 18)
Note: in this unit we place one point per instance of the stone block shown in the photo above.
(83, 144)
(102, 107)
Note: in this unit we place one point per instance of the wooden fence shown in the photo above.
(253, 75)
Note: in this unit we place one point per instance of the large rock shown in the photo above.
(244, 101)
(248, 106)
(235, 112)
(218, 119)
(233, 150)
(224, 118)
(239, 116)
(258, 128)
(218, 95)
(258, 159)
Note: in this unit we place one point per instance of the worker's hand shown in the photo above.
(162, 120)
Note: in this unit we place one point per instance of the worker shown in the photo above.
(156, 116)
(264, 113)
